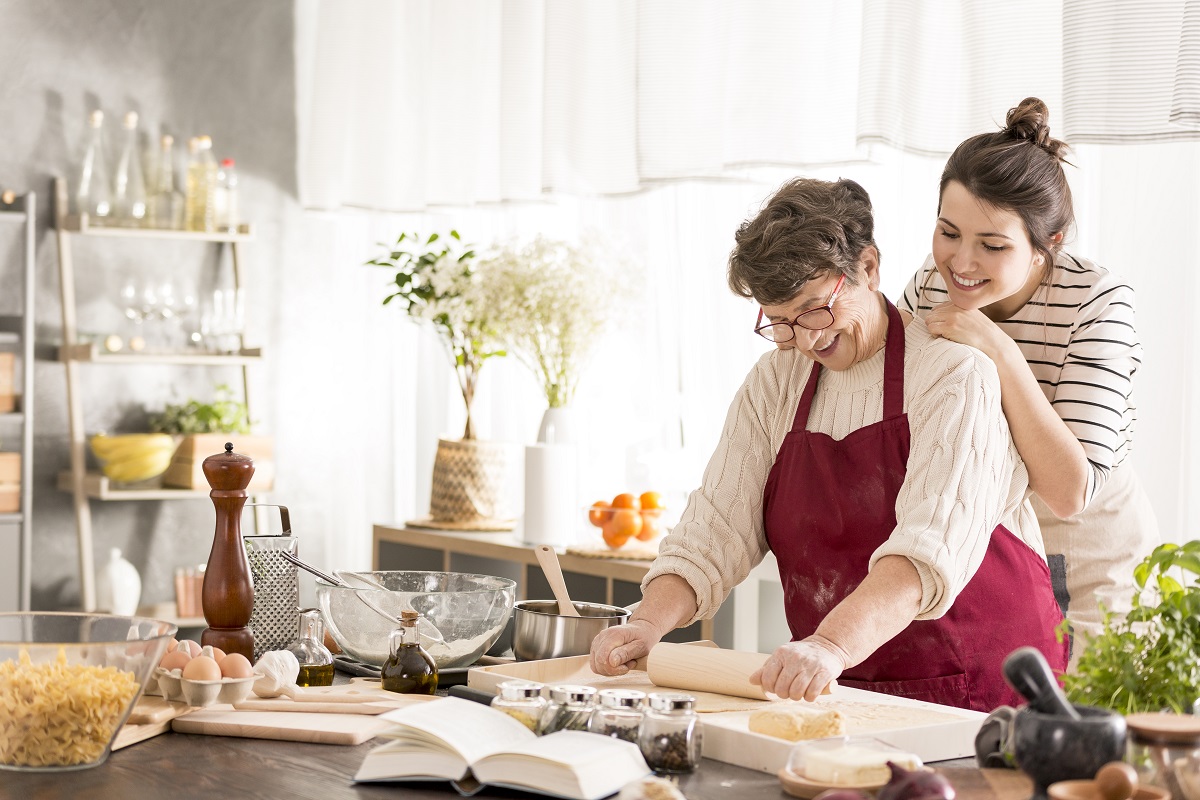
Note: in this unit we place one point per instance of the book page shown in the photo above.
(411, 758)
(471, 729)
(571, 764)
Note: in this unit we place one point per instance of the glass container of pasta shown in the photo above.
(68, 682)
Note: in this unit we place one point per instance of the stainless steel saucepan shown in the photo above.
(539, 631)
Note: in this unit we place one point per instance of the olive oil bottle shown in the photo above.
(316, 662)
(409, 668)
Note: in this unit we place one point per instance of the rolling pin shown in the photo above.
(707, 669)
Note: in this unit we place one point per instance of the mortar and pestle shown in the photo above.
(1054, 740)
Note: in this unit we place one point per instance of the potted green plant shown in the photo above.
(203, 428)
(436, 283)
(1149, 660)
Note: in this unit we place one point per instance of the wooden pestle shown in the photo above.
(228, 593)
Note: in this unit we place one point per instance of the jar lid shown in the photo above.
(671, 701)
(519, 690)
(572, 694)
(621, 698)
(1165, 728)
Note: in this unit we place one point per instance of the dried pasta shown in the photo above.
(59, 714)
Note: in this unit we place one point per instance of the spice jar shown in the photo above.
(568, 710)
(1165, 751)
(316, 662)
(619, 714)
(670, 738)
(521, 700)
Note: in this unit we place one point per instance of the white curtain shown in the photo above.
(665, 123)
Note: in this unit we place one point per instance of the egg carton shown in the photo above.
(171, 685)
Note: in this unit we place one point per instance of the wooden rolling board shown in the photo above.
(150, 717)
(224, 720)
(933, 732)
(291, 706)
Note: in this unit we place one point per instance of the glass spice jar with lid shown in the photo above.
(618, 714)
(1165, 751)
(521, 700)
(568, 710)
(670, 737)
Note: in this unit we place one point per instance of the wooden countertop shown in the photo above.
(179, 766)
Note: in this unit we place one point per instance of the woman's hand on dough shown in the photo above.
(616, 649)
(801, 670)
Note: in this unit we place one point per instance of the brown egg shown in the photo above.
(236, 665)
(202, 668)
(193, 647)
(176, 659)
(217, 654)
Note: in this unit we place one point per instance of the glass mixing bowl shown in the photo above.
(68, 683)
(462, 614)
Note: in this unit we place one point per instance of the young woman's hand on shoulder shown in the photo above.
(969, 327)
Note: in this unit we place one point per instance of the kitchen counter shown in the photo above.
(178, 766)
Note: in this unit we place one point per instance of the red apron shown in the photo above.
(828, 505)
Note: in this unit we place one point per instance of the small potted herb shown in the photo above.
(203, 429)
(1150, 660)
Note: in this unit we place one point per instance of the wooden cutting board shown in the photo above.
(719, 681)
(224, 720)
(150, 717)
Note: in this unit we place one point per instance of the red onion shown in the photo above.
(920, 784)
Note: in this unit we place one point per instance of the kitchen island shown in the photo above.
(178, 766)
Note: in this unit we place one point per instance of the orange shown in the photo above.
(651, 500)
(599, 513)
(626, 500)
(650, 527)
(624, 525)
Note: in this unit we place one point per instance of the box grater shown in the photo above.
(276, 586)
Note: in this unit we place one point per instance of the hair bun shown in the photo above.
(1030, 121)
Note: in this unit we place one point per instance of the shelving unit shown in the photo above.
(16, 335)
(83, 486)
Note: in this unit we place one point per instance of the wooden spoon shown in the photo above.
(549, 561)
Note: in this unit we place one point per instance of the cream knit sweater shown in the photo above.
(964, 475)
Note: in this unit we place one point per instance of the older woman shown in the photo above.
(875, 462)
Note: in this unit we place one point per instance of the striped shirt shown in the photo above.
(1078, 336)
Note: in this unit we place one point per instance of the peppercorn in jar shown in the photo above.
(670, 738)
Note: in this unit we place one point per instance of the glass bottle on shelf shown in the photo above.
(316, 662)
(521, 700)
(409, 668)
(129, 187)
(225, 197)
(92, 195)
(166, 203)
(201, 184)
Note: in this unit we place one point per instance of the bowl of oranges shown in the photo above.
(629, 518)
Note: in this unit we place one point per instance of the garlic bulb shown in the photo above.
(650, 788)
(277, 670)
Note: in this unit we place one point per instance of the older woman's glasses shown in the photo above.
(815, 319)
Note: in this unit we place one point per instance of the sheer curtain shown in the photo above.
(664, 124)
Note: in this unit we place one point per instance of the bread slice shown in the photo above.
(798, 720)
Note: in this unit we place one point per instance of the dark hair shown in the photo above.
(1019, 169)
(807, 229)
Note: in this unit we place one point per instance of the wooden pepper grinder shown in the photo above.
(228, 594)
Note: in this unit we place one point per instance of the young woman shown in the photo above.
(1061, 332)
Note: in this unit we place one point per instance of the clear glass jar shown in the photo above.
(523, 701)
(568, 710)
(619, 714)
(670, 738)
(1165, 751)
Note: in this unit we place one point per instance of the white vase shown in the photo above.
(552, 510)
(118, 586)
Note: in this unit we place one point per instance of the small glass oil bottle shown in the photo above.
(316, 662)
(409, 669)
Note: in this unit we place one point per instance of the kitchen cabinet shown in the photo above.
(18, 212)
(75, 354)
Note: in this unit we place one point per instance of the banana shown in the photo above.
(139, 467)
(111, 448)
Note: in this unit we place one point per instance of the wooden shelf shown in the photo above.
(166, 612)
(12, 216)
(12, 416)
(10, 519)
(7, 337)
(79, 223)
(91, 353)
(98, 487)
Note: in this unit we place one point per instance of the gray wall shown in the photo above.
(221, 67)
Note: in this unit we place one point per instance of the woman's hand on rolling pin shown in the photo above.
(616, 649)
(801, 670)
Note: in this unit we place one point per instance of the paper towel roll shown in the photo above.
(552, 508)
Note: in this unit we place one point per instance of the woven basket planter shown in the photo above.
(470, 478)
